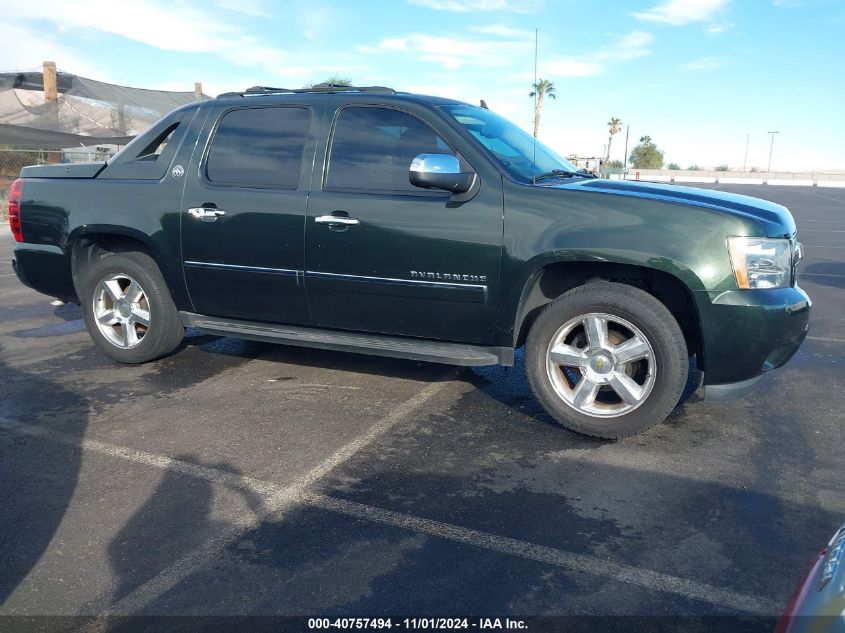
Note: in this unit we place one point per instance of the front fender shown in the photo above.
(581, 267)
(548, 226)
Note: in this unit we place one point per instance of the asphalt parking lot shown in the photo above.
(241, 478)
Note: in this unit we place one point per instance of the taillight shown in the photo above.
(15, 192)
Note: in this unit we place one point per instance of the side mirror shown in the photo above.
(440, 171)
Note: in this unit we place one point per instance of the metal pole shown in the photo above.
(625, 162)
(745, 162)
(536, 91)
(771, 147)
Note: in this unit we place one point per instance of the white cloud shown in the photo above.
(720, 27)
(316, 21)
(569, 68)
(465, 6)
(681, 12)
(170, 27)
(703, 63)
(634, 45)
(22, 48)
(502, 30)
(254, 8)
(165, 27)
(454, 52)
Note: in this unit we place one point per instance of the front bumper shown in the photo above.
(748, 332)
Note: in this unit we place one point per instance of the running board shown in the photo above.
(373, 344)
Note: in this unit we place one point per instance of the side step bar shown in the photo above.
(372, 344)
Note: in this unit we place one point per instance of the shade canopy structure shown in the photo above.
(85, 112)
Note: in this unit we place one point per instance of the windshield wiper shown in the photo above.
(563, 173)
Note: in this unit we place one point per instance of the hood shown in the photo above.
(776, 219)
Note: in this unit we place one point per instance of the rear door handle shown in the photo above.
(336, 219)
(206, 214)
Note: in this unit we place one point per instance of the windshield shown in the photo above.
(513, 147)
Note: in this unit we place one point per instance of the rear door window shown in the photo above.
(259, 147)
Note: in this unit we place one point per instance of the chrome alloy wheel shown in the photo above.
(601, 365)
(122, 310)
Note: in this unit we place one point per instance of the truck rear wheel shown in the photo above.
(128, 309)
(607, 360)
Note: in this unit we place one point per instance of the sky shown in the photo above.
(698, 76)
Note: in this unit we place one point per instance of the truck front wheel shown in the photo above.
(128, 309)
(607, 360)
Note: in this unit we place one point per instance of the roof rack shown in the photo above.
(324, 87)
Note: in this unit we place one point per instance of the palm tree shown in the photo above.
(543, 88)
(614, 125)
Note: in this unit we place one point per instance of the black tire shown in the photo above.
(164, 332)
(656, 325)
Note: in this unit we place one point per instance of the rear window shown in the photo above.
(259, 147)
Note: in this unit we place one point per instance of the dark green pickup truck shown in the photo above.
(395, 224)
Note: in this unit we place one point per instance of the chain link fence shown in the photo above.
(13, 159)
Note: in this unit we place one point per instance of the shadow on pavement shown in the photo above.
(826, 273)
(176, 519)
(37, 477)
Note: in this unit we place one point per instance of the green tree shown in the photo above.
(693, 167)
(646, 155)
(722, 168)
(615, 125)
(673, 166)
(335, 80)
(543, 88)
(615, 164)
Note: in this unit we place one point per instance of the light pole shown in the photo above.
(771, 147)
(745, 162)
(625, 157)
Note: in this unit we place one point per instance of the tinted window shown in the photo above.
(372, 149)
(155, 147)
(259, 147)
(517, 151)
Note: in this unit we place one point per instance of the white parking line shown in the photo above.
(819, 195)
(557, 557)
(279, 499)
(826, 339)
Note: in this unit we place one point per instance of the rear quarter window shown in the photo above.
(149, 155)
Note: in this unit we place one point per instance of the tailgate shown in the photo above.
(63, 170)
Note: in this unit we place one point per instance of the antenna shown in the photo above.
(534, 157)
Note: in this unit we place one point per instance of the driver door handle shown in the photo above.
(336, 219)
(206, 214)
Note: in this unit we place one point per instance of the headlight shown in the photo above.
(761, 262)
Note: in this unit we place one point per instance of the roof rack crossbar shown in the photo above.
(324, 87)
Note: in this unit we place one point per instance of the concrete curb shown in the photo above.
(778, 182)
